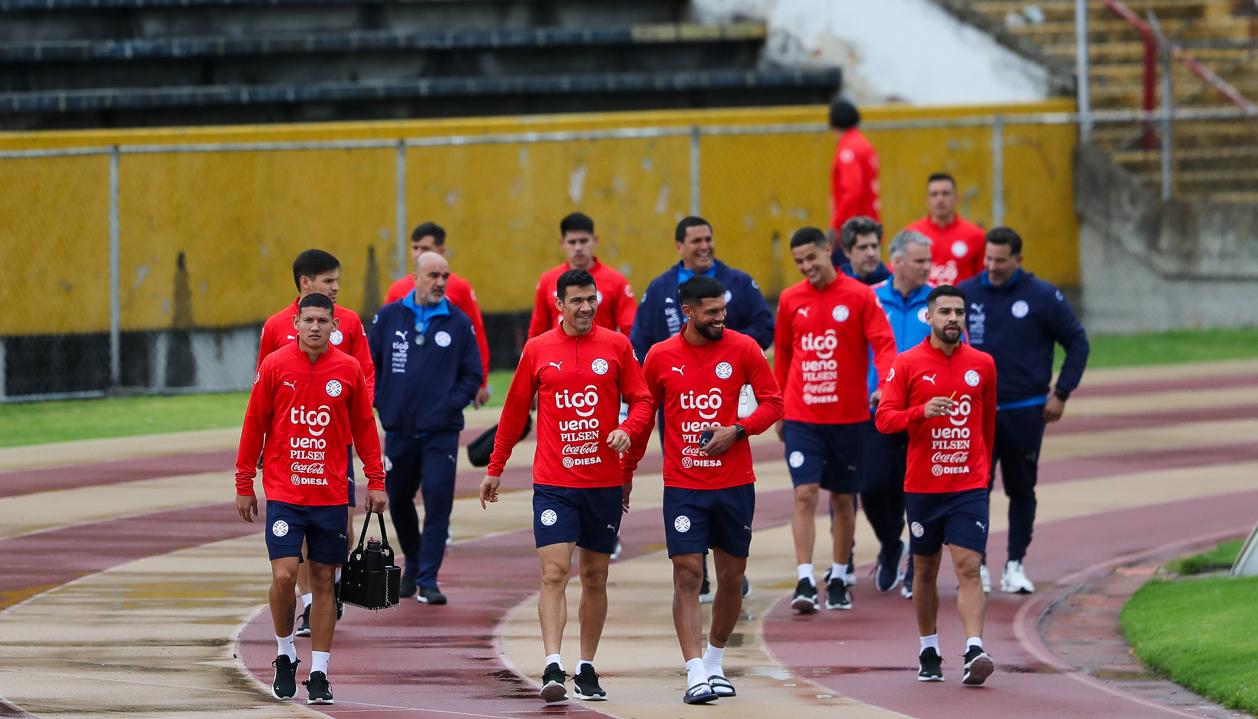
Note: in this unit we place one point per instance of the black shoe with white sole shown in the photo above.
(978, 666)
(284, 686)
(553, 684)
(929, 666)
(303, 624)
(585, 685)
(837, 596)
(430, 595)
(805, 599)
(318, 691)
(888, 574)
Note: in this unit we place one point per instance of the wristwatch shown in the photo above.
(1061, 394)
(741, 431)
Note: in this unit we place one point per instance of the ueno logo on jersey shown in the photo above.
(707, 403)
(583, 402)
(824, 345)
(961, 413)
(316, 420)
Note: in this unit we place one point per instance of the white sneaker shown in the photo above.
(1014, 579)
(985, 578)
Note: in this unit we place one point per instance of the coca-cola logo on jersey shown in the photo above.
(583, 402)
(944, 273)
(707, 404)
(822, 345)
(315, 421)
(579, 449)
(950, 457)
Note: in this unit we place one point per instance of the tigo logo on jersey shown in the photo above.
(707, 404)
(840, 313)
(682, 523)
(599, 366)
(971, 378)
(796, 460)
(549, 517)
(336, 337)
(442, 339)
(333, 388)
(823, 345)
(724, 370)
(280, 528)
(583, 402)
(316, 419)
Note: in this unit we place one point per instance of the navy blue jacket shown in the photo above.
(1018, 324)
(423, 388)
(881, 274)
(659, 315)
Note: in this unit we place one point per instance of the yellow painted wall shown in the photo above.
(240, 217)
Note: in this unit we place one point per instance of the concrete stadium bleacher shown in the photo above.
(102, 63)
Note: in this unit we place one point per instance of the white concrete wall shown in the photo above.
(909, 51)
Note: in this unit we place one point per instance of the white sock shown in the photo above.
(286, 647)
(553, 659)
(319, 661)
(712, 659)
(695, 672)
(805, 572)
(306, 599)
(838, 571)
(930, 641)
(973, 642)
(581, 664)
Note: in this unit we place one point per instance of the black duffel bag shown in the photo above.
(370, 579)
(480, 449)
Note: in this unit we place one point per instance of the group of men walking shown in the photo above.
(892, 389)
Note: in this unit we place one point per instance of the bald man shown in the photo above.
(428, 370)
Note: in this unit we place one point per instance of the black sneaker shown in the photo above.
(929, 666)
(430, 595)
(407, 588)
(705, 592)
(553, 684)
(340, 609)
(805, 599)
(318, 691)
(887, 574)
(906, 590)
(284, 686)
(746, 587)
(978, 666)
(303, 626)
(586, 685)
(837, 596)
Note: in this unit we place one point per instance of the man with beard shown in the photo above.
(579, 372)
(943, 393)
(695, 378)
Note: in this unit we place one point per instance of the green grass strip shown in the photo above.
(1199, 633)
(1220, 558)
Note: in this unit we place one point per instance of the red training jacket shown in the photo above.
(349, 337)
(579, 382)
(460, 293)
(698, 387)
(616, 305)
(853, 180)
(946, 454)
(821, 350)
(309, 412)
(956, 251)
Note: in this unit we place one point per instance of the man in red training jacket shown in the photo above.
(616, 305)
(579, 373)
(854, 172)
(943, 392)
(956, 244)
(696, 377)
(309, 404)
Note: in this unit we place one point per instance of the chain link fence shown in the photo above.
(151, 268)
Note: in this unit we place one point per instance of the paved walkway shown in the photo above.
(129, 587)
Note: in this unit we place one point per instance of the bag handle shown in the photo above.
(384, 536)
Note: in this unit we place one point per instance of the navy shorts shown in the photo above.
(824, 454)
(698, 519)
(589, 517)
(323, 528)
(955, 518)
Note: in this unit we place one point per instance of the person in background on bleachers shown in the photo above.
(616, 306)
(431, 237)
(854, 172)
(956, 243)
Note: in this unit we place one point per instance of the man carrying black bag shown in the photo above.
(310, 405)
(427, 370)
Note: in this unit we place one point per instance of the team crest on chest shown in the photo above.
(333, 388)
(336, 337)
(724, 370)
(840, 313)
(971, 378)
(599, 366)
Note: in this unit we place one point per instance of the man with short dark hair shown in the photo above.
(306, 407)
(854, 172)
(579, 372)
(431, 237)
(695, 379)
(428, 369)
(859, 254)
(616, 306)
(1018, 319)
(826, 327)
(956, 243)
(943, 393)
